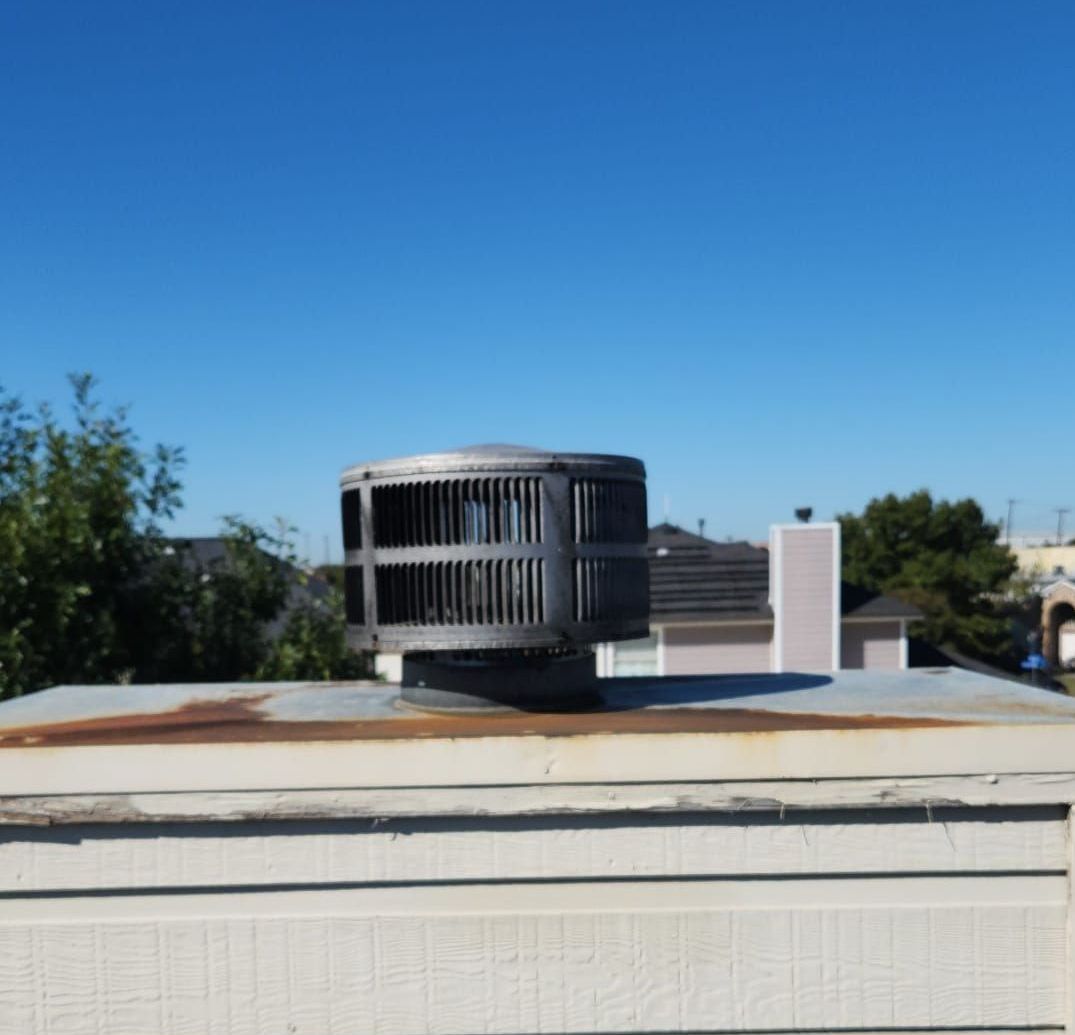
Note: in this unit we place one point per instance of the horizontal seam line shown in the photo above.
(692, 878)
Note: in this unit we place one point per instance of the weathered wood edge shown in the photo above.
(565, 799)
(494, 762)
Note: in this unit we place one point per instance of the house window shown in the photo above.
(635, 657)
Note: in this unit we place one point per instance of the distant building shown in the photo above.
(1043, 565)
(1051, 572)
(1058, 621)
(735, 607)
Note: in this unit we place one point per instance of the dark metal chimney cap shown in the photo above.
(498, 457)
(494, 568)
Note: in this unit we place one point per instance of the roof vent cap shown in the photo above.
(494, 568)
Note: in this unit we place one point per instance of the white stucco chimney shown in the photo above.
(804, 591)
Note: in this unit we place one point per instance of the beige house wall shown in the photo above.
(805, 588)
(691, 650)
(871, 645)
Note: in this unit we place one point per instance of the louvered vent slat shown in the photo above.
(461, 512)
(608, 511)
(495, 547)
(610, 589)
(501, 592)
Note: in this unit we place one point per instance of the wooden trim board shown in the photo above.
(540, 760)
(926, 793)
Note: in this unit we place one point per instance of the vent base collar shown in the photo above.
(489, 680)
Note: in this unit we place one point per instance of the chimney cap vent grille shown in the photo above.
(496, 548)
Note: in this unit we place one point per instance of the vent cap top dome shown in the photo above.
(494, 456)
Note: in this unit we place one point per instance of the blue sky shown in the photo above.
(787, 253)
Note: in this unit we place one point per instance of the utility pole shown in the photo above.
(1060, 512)
(1008, 526)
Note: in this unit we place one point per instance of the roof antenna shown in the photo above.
(804, 514)
(701, 527)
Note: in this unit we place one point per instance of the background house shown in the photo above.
(736, 607)
(1050, 571)
(1058, 621)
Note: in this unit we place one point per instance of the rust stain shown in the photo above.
(197, 717)
(241, 721)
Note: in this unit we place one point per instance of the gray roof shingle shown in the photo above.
(693, 578)
(856, 602)
(697, 579)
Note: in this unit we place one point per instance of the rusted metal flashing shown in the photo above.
(239, 720)
(743, 706)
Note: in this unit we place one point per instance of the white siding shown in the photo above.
(882, 920)
(635, 657)
(691, 650)
(559, 960)
(897, 877)
(870, 645)
(562, 847)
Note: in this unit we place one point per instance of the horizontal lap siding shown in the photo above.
(517, 849)
(554, 966)
(879, 920)
(806, 607)
(697, 650)
(870, 645)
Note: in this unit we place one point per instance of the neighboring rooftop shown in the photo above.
(697, 579)
(692, 577)
(856, 602)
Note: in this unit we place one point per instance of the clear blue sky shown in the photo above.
(787, 253)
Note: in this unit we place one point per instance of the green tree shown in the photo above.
(81, 508)
(246, 614)
(313, 646)
(91, 591)
(944, 558)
